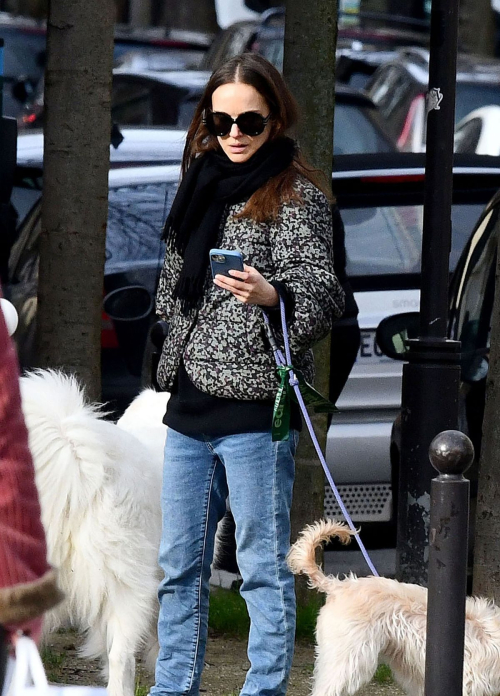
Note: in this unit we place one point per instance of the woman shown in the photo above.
(244, 187)
(27, 583)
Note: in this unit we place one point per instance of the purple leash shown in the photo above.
(294, 382)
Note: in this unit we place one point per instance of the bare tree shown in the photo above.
(75, 194)
(487, 527)
(309, 69)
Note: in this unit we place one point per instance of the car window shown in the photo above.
(24, 53)
(387, 240)
(135, 219)
(473, 296)
(131, 103)
(147, 103)
(467, 137)
(471, 96)
(392, 91)
(169, 108)
(355, 133)
(271, 48)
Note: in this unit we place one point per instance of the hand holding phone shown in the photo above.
(224, 260)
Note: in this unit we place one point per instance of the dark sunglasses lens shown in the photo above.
(251, 123)
(218, 124)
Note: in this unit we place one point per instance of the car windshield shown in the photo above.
(386, 240)
(355, 133)
(135, 218)
(473, 95)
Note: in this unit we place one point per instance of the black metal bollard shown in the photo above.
(451, 453)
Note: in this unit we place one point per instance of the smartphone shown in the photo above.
(224, 260)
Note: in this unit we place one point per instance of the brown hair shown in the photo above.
(252, 69)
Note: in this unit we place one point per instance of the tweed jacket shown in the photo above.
(223, 344)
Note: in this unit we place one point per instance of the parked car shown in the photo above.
(141, 188)
(25, 54)
(169, 98)
(479, 132)
(139, 97)
(24, 59)
(399, 89)
(380, 197)
(470, 318)
(265, 35)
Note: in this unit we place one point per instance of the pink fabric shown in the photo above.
(23, 551)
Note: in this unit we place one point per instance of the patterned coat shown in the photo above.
(223, 344)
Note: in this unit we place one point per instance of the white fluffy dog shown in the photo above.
(99, 488)
(370, 620)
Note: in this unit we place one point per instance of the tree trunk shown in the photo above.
(487, 533)
(309, 69)
(75, 192)
(192, 15)
(476, 31)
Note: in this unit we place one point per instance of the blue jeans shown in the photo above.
(199, 474)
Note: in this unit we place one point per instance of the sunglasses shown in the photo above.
(250, 123)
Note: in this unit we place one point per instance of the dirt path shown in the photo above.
(224, 674)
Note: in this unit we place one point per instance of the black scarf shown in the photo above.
(211, 182)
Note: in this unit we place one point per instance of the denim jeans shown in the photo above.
(199, 474)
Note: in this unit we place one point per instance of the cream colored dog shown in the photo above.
(370, 620)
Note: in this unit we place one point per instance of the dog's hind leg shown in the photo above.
(342, 676)
(121, 660)
(347, 654)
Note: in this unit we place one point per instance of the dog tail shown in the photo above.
(65, 440)
(302, 558)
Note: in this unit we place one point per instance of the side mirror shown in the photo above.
(22, 90)
(394, 331)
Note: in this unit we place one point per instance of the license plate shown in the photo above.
(369, 352)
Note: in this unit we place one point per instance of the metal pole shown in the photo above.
(451, 454)
(431, 377)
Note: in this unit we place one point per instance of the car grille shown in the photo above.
(366, 502)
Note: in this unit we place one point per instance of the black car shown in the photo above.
(25, 55)
(399, 89)
(142, 184)
(471, 307)
(139, 97)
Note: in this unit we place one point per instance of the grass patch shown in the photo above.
(383, 675)
(306, 619)
(228, 615)
(141, 689)
(52, 661)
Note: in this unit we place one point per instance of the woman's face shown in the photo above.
(236, 98)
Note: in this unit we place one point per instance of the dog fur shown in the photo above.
(99, 488)
(370, 620)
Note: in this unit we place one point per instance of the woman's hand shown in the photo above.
(249, 287)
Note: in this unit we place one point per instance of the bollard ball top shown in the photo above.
(451, 452)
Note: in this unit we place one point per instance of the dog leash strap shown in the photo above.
(286, 361)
